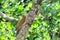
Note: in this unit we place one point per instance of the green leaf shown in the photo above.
(1, 0)
(58, 14)
(9, 26)
(30, 4)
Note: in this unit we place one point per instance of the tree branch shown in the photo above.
(8, 18)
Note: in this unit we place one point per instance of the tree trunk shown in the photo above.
(29, 19)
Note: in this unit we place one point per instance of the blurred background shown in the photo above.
(41, 29)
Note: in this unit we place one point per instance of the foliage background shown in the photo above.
(40, 28)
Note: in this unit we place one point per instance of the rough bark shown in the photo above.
(29, 19)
